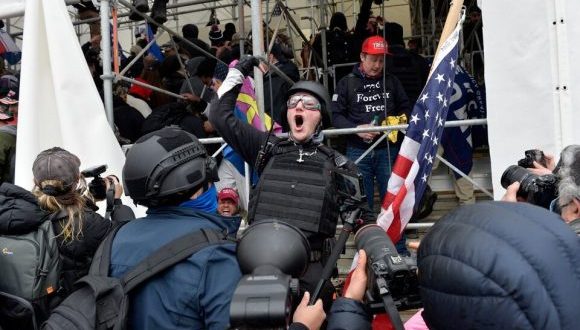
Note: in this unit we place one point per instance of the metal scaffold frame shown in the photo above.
(258, 19)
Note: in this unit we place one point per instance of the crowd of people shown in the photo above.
(185, 190)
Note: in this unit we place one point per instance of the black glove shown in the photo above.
(246, 64)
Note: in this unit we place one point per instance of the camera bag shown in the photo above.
(102, 302)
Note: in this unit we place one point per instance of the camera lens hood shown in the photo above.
(275, 243)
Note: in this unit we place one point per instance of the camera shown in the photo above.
(272, 256)
(531, 156)
(388, 272)
(97, 186)
(349, 187)
(537, 190)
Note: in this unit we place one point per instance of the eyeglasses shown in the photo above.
(308, 102)
(555, 206)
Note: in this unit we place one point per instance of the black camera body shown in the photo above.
(531, 156)
(264, 299)
(349, 188)
(97, 186)
(388, 272)
(535, 189)
(272, 256)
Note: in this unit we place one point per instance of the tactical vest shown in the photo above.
(297, 189)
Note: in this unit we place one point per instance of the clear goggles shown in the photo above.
(309, 102)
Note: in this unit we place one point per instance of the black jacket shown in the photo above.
(348, 314)
(128, 119)
(500, 265)
(175, 113)
(20, 213)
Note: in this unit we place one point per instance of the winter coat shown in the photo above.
(500, 265)
(349, 314)
(7, 152)
(175, 113)
(195, 293)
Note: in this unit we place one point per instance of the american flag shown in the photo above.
(419, 149)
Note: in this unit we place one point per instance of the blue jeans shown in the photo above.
(375, 165)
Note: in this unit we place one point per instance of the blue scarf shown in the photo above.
(206, 202)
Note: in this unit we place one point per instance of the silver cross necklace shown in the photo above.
(307, 154)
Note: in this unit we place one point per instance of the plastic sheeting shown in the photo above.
(11, 8)
(533, 93)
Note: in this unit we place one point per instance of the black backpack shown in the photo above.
(102, 302)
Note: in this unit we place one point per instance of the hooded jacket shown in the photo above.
(500, 265)
(359, 98)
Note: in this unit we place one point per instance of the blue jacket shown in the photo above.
(194, 294)
(500, 266)
(358, 99)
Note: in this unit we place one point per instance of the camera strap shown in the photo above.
(110, 200)
(335, 254)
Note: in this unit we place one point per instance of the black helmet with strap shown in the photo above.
(164, 163)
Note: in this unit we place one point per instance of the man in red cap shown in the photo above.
(228, 201)
(371, 96)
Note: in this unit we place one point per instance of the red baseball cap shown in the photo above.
(375, 45)
(229, 193)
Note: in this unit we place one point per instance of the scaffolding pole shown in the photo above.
(106, 55)
(258, 50)
(241, 26)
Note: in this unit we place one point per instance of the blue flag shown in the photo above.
(154, 49)
(466, 103)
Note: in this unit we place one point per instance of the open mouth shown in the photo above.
(299, 121)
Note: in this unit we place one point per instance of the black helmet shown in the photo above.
(318, 91)
(164, 163)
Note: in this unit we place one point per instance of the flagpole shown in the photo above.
(450, 23)
(106, 54)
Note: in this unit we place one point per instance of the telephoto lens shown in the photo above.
(516, 173)
(383, 257)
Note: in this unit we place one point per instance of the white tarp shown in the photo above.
(11, 8)
(59, 103)
(533, 89)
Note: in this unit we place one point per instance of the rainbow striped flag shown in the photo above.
(247, 108)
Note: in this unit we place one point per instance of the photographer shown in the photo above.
(59, 195)
(568, 174)
(59, 188)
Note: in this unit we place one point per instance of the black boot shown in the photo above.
(140, 5)
(159, 11)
